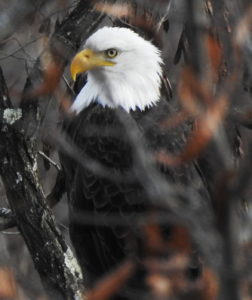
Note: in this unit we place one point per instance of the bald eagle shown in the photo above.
(123, 76)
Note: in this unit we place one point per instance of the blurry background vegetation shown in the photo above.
(26, 29)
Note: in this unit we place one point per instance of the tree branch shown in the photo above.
(52, 257)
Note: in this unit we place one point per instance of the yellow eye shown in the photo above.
(111, 53)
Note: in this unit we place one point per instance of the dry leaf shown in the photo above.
(121, 10)
(8, 286)
(111, 284)
(215, 55)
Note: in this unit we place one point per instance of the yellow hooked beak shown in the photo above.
(86, 60)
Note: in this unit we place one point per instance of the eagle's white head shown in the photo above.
(123, 70)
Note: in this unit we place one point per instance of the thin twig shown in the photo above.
(53, 163)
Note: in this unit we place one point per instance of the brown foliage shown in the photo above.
(111, 284)
(8, 286)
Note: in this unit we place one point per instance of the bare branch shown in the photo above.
(18, 168)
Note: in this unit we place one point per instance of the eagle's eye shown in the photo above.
(111, 53)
